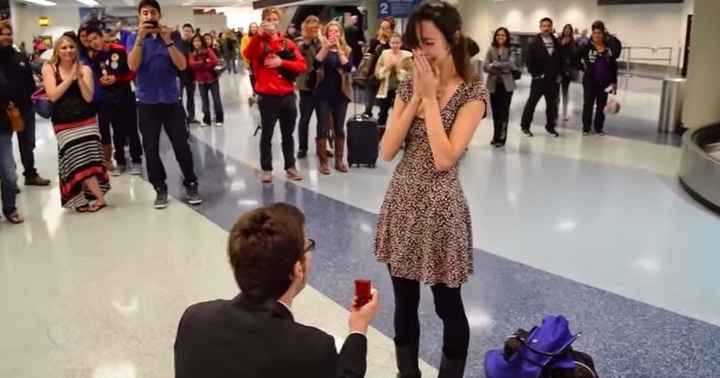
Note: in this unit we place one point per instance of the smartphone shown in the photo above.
(154, 24)
(362, 291)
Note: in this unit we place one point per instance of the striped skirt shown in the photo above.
(80, 157)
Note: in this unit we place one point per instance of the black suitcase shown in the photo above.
(363, 139)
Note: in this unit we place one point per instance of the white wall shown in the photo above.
(62, 19)
(209, 22)
(650, 25)
(241, 16)
(702, 94)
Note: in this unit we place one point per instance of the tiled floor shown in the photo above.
(595, 228)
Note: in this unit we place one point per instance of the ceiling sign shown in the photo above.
(396, 8)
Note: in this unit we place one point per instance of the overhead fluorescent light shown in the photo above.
(44, 3)
(90, 3)
(188, 3)
(129, 3)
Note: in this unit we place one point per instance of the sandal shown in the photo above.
(83, 209)
(15, 218)
(95, 207)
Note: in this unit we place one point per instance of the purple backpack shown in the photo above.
(544, 352)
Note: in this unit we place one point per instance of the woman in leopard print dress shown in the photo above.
(424, 232)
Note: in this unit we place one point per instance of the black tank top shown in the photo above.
(71, 106)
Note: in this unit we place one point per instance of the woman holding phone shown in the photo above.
(424, 231)
(333, 92)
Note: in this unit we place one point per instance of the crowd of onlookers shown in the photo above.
(325, 64)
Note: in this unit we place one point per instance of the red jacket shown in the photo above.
(269, 81)
(203, 65)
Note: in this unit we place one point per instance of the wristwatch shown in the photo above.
(170, 44)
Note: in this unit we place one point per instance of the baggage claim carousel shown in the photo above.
(700, 165)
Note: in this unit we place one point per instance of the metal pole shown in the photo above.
(628, 73)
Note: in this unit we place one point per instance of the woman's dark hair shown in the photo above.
(507, 34)
(598, 25)
(206, 35)
(447, 19)
(202, 41)
(565, 28)
(263, 247)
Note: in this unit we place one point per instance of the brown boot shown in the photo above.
(340, 154)
(321, 147)
(107, 157)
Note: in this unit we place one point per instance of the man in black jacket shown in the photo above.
(544, 66)
(254, 335)
(16, 70)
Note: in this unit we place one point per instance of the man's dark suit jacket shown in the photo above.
(240, 339)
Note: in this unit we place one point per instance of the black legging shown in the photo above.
(448, 306)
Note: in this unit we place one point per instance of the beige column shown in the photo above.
(702, 94)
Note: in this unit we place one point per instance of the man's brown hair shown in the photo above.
(268, 11)
(263, 247)
(5, 24)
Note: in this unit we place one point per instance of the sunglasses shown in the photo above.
(311, 247)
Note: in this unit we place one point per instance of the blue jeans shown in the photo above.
(26, 143)
(214, 89)
(8, 186)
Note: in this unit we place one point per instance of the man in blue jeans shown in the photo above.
(156, 58)
(8, 178)
(15, 70)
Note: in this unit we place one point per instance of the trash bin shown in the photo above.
(671, 104)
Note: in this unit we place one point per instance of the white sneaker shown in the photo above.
(218, 124)
(136, 169)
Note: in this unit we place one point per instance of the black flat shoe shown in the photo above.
(528, 133)
(553, 133)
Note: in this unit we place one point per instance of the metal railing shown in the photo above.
(628, 58)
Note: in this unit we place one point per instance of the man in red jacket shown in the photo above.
(276, 62)
(117, 102)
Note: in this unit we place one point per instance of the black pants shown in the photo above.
(448, 306)
(230, 64)
(214, 88)
(595, 98)
(565, 92)
(548, 88)
(171, 117)
(500, 104)
(26, 143)
(372, 90)
(272, 110)
(122, 116)
(331, 112)
(307, 107)
(189, 90)
(385, 105)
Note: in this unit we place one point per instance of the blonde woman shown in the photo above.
(252, 31)
(70, 88)
(393, 66)
(333, 93)
(380, 43)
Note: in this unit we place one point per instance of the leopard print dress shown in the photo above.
(424, 231)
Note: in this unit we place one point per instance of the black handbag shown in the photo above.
(516, 74)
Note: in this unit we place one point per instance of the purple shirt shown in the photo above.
(156, 80)
(601, 72)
